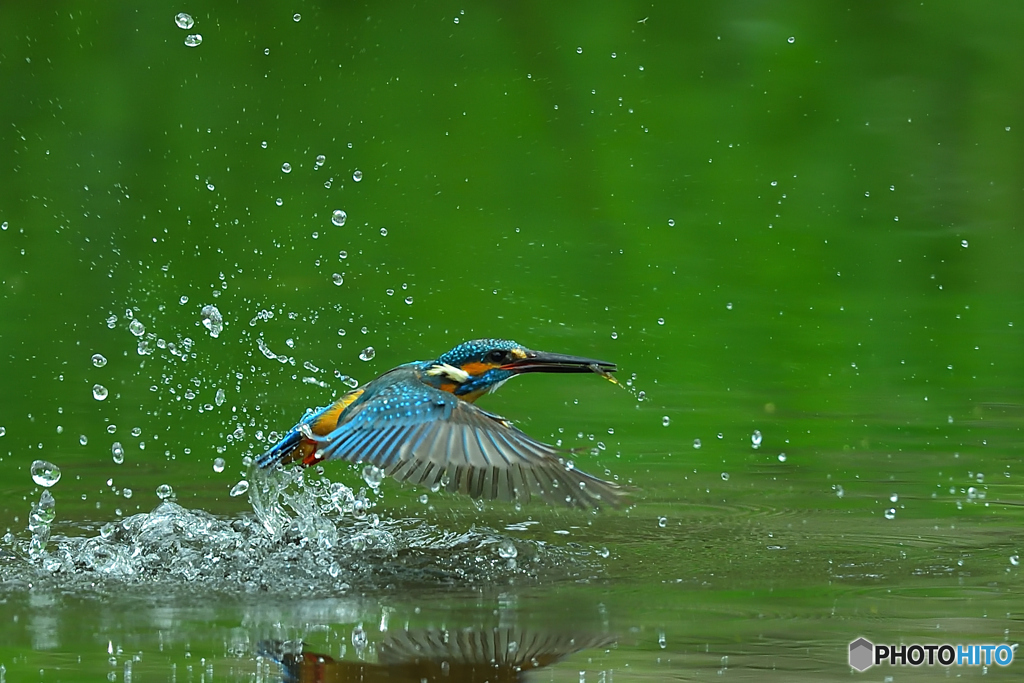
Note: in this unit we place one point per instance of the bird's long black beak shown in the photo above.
(538, 361)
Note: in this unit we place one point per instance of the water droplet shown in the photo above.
(359, 638)
(111, 429)
(83, 439)
(456, 20)
(117, 451)
(136, 432)
(373, 476)
(507, 549)
(615, 335)
(339, 217)
(137, 328)
(279, 201)
(193, 40)
(286, 167)
(367, 354)
(218, 465)
(791, 40)
(1015, 560)
(99, 392)
(44, 473)
(671, 222)
(98, 360)
(320, 159)
(383, 232)
(3, 431)
(662, 522)
(890, 513)
(183, 300)
(661, 321)
(212, 320)
(164, 492)
(894, 497)
(337, 279)
(408, 300)
(725, 476)
(662, 642)
(579, 50)
(728, 306)
(665, 421)
(127, 492)
(755, 439)
(641, 395)
(240, 488)
(963, 243)
(696, 444)
(424, 498)
(184, 21)
(357, 175)
(219, 397)
(296, 17)
(603, 552)
(782, 457)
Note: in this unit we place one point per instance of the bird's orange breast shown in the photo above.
(327, 422)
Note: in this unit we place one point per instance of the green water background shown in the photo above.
(796, 218)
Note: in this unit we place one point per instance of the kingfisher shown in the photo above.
(420, 423)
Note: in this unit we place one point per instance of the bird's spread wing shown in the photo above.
(430, 437)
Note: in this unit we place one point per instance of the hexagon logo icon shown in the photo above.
(862, 654)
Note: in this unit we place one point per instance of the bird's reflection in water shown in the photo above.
(418, 655)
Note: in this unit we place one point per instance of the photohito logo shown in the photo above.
(864, 654)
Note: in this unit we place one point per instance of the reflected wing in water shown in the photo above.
(468, 655)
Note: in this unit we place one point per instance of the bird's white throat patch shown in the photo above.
(457, 375)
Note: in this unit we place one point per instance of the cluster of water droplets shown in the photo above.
(185, 22)
(45, 474)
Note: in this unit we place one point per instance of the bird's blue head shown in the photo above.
(480, 366)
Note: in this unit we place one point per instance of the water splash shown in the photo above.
(305, 533)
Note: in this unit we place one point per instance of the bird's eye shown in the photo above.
(496, 356)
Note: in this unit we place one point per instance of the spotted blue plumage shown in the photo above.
(476, 349)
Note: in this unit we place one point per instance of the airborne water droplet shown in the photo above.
(367, 354)
(184, 21)
(136, 327)
(212, 320)
(337, 279)
(239, 488)
(164, 492)
(357, 175)
(373, 476)
(117, 451)
(218, 465)
(98, 360)
(339, 217)
(45, 473)
(99, 392)
(193, 39)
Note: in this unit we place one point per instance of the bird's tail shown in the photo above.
(287, 450)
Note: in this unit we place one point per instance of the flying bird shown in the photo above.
(419, 423)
